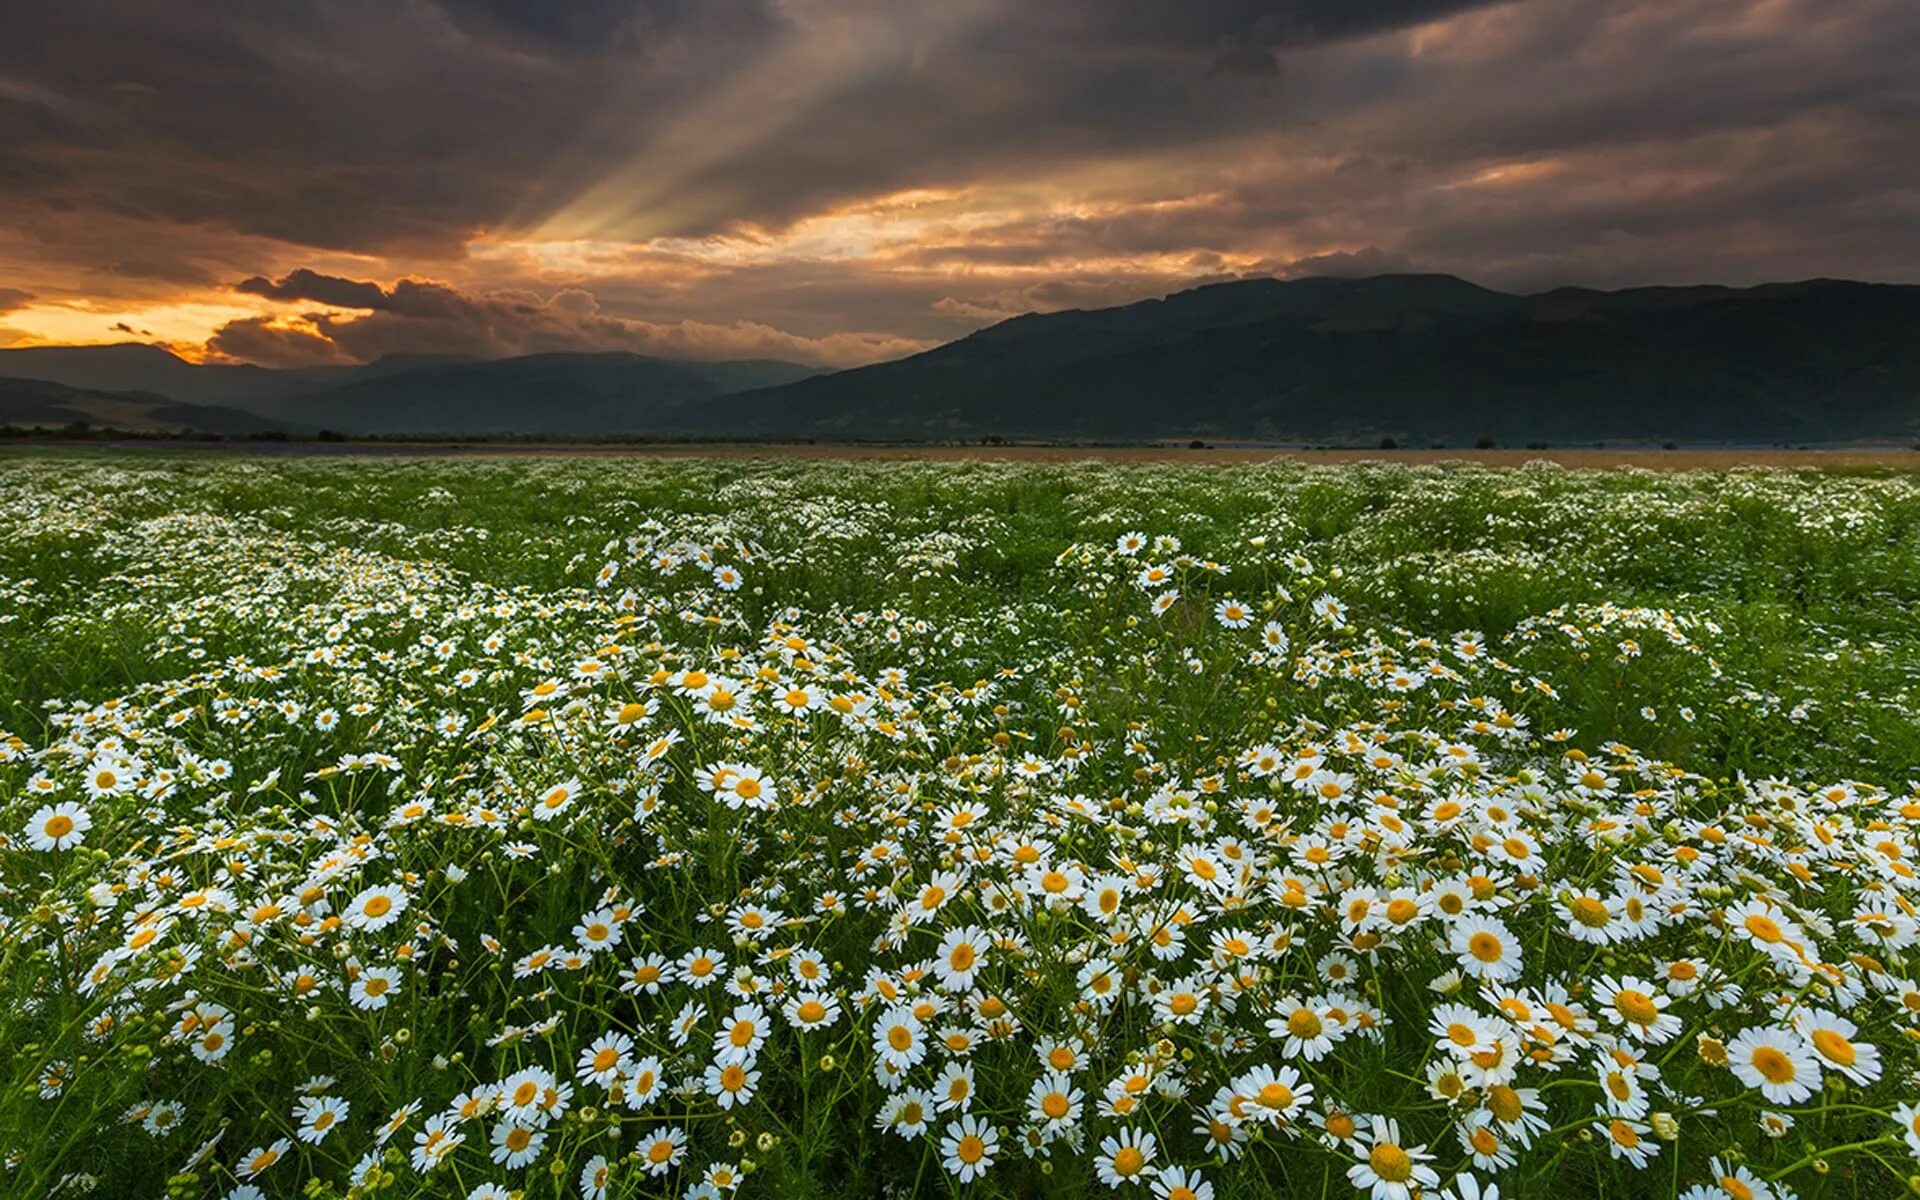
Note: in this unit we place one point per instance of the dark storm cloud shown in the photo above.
(1240, 34)
(311, 285)
(599, 26)
(382, 127)
(12, 298)
(424, 316)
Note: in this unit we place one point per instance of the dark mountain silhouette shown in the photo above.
(1425, 357)
(133, 367)
(38, 403)
(589, 395)
(552, 394)
(1422, 358)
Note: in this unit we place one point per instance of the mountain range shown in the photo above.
(38, 402)
(1427, 358)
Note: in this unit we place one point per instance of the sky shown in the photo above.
(304, 182)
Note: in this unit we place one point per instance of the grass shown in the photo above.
(381, 787)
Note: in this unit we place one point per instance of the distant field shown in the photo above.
(819, 822)
(1698, 459)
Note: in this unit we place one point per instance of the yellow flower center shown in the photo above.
(1590, 912)
(1636, 1006)
(1390, 1163)
(1834, 1047)
(1774, 1066)
(1504, 1103)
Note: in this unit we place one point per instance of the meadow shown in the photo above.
(604, 827)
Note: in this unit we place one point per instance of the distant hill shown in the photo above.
(38, 403)
(132, 367)
(550, 394)
(1420, 357)
(587, 395)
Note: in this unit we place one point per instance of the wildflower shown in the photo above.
(1181, 1002)
(898, 1038)
(1232, 614)
(1836, 1041)
(1302, 1029)
(968, 1147)
(1627, 1139)
(741, 1035)
(1485, 948)
(1274, 1095)
(1776, 1061)
(1126, 1157)
(556, 800)
(595, 1175)
(642, 1086)
(605, 1060)
(1054, 1104)
(375, 908)
(1638, 1007)
(953, 1090)
(961, 955)
(259, 1159)
(906, 1114)
(1389, 1170)
(662, 1149)
(811, 1010)
(436, 1140)
(1181, 1183)
(374, 988)
(318, 1115)
(731, 1084)
(58, 827)
(516, 1143)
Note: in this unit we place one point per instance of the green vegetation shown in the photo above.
(587, 826)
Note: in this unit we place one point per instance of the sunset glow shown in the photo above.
(837, 182)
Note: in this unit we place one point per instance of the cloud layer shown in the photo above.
(415, 316)
(841, 180)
